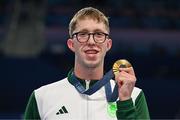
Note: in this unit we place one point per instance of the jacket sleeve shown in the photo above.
(31, 111)
(128, 110)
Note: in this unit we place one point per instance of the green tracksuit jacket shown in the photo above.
(61, 101)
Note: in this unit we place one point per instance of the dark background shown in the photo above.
(33, 49)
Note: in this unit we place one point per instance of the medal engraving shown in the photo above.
(122, 63)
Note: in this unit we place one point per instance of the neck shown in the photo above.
(88, 73)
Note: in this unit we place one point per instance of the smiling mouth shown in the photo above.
(91, 51)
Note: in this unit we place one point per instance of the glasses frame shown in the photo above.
(76, 34)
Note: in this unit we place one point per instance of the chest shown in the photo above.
(76, 106)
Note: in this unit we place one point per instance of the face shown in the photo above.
(89, 54)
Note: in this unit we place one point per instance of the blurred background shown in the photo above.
(33, 49)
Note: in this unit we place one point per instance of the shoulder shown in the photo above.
(136, 93)
(52, 87)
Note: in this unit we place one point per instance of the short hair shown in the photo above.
(88, 12)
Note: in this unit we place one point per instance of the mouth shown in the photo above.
(91, 51)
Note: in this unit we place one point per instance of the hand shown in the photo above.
(126, 80)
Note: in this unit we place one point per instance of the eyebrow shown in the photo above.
(96, 30)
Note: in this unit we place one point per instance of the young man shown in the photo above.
(68, 99)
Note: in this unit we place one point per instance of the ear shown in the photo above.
(109, 44)
(70, 44)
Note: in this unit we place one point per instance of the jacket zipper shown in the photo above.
(87, 84)
(87, 87)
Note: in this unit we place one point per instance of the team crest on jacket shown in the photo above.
(111, 109)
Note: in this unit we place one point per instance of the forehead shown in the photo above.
(90, 25)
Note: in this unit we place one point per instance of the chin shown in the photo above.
(92, 64)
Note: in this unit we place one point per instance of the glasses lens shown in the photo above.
(99, 37)
(82, 36)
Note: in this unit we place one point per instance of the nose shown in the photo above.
(91, 39)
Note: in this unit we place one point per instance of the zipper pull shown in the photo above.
(87, 84)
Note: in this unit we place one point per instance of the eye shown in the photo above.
(99, 34)
(82, 34)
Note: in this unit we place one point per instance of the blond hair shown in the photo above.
(88, 12)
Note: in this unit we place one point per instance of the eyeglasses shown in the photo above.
(83, 37)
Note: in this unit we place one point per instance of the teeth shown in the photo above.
(91, 51)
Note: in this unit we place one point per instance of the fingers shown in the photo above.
(126, 80)
(125, 75)
(129, 70)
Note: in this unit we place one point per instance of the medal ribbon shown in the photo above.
(111, 96)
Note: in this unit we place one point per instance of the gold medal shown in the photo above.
(122, 63)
